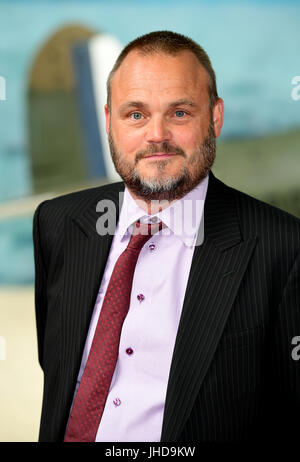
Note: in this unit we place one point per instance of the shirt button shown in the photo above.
(151, 246)
(117, 402)
(140, 297)
(129, 351)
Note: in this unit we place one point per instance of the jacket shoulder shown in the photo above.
(52, 212)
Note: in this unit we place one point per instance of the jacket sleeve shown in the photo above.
(40, 282)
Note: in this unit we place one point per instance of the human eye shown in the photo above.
(180, 113)
(136, 116)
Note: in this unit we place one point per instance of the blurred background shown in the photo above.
(54, 59)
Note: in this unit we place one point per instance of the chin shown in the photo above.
(159, 179)
(157, 174)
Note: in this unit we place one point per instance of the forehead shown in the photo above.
(150, 75)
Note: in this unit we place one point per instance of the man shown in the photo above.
(193, 341)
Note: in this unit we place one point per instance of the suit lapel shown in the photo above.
(85, 253)
(217, 269)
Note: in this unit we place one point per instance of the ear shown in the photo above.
(107, 118)
(218, 115)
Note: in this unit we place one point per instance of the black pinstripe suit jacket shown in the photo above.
(232, 377)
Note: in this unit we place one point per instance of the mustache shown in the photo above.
(164, 147)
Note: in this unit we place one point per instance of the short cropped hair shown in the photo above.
(170, 43)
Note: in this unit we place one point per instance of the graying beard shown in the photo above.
(167, 188)
(157, 186)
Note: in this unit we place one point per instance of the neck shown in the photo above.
(151, 206)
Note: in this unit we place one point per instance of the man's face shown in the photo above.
(160, 126)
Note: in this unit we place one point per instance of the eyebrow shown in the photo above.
(140, 104)
(128, 104)
(183, 102)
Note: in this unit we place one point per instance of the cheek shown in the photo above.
(126, 141)
(187, 139)
(193, 135)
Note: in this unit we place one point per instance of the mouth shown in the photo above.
(160, 155)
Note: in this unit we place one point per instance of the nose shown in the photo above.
(157, 130)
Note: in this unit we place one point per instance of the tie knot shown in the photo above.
(142, 232)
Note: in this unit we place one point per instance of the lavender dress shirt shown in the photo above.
(135, 403)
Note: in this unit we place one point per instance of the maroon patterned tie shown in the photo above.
(92, 392)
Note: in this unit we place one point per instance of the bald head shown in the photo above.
(166, 43)
(141, 76)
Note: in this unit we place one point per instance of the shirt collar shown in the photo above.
(182, 218)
